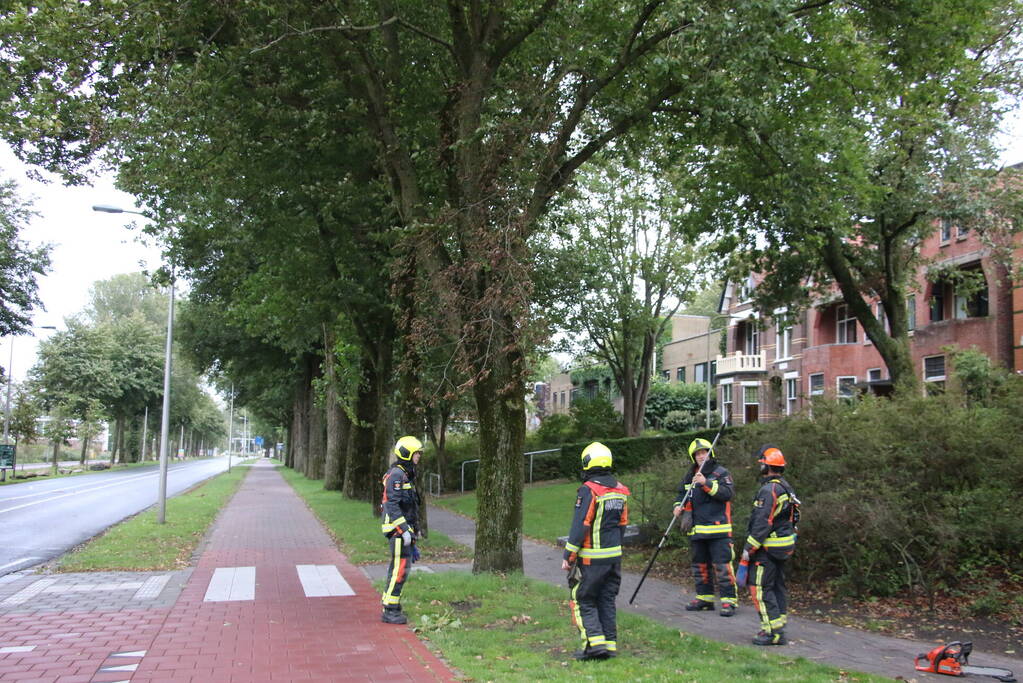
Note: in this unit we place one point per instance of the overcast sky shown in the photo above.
(90, 246)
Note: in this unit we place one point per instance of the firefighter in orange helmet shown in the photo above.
(770, 542)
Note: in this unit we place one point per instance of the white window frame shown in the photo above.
(745, 388)
(783, 349)
(726, 396)
(751, 345)
(871, 371)
(945, 231)
(809, 381)
(838, 386)
(791, 394)
(705, 367)
(911, 313)
(844, 323)
(944, 366)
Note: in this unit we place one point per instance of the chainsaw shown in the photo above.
(953, 659)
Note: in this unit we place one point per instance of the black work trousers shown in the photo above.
(712, 563)
(593, 604)
(397, 571)
(767, 589)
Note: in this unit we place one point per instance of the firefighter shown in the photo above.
(400, 510)
(707, 518)
(593, 553)
(770, 542)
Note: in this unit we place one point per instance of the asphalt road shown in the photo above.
(40, 520)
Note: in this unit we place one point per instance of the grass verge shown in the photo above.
(357, 531)
(140, 544)
(510, 628)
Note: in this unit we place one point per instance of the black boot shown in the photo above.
(393, 615)
(768, 638)
(594, 652)
(699, 605)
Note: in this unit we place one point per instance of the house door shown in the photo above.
(752, 413)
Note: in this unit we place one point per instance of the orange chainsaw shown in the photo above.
(953, 659)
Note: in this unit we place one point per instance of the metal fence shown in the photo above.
(531, 455)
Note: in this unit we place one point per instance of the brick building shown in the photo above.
(769, 372)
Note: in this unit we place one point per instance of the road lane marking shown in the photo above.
(16, 648)
(122, 667)
(71, 489)
(26, 594)
(136, 653)
(322, 580)
(119, 482)
(231, 583)
(24, 559)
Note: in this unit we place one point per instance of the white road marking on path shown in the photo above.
(30, 592)
(123, 667)
(152, 588)
(231, 583)
(16, 648)
(11, 564)
(322, 580)
(136, 653)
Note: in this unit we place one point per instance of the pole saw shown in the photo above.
(685, 500)
(953, 660)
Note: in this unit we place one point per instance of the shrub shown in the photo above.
(595, 417)
(665, 398)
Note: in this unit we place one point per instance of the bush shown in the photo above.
(665, 398)
(596, 418)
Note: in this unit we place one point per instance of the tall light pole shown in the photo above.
(161, 514)
(230, 430)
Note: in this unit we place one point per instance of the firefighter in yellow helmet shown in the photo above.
(707, 518)
(770, 542)
(593, 553)
(400, 512)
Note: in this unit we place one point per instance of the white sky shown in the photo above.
(90, 246)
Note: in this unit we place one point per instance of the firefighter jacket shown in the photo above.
(772, 525)
(601, 514)
(400, 502)
(711, 503)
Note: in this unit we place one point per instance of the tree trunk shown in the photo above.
(289, 446)
(334, 464)
(317, 438)
(114, 442)
(501, 407)
(359, 463)
(85, 451)
(56, 455)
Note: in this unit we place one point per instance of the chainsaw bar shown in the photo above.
(1001, 674)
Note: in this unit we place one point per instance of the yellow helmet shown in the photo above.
(596, 455)
(407, 446)
(700, 445)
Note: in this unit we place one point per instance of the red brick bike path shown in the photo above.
(281, 635)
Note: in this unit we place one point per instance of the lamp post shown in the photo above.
(230, 430)
(161, 515)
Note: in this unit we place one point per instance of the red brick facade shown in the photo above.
(827, 352)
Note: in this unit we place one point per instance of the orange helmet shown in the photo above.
(771, 455)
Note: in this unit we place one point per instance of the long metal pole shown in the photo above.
(230, 430)
(161, 515)
(145, 423)
(10, 383)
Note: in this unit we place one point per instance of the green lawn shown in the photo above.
(140, 544)
(357, 530)
(510, 628)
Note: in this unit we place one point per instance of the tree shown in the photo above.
(20, 263)
(630, 253)
(25, 414)
(835, 183)
(125, 295)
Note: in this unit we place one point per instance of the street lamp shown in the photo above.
(161, 515)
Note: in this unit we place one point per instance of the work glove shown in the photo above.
(742, 575)
(406, 538)
(685, 522)
(415, 554)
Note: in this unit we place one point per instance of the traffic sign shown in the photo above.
(7, 456)
(259, 441)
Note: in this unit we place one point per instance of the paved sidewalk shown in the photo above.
(270, 600)
(842, 647)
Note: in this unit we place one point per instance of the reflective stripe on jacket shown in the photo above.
(711, 503)
(770, 525)
(400, 502)
(601, 514)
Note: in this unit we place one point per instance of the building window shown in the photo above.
(751, 404)
(726, 394)
(974, 305)
(666, 375)
(562, 399)
(752, 341)
(817, 384)
(937, 302)
(846, 387)
(791, 394)
(680, 375)
(934, 373)
(874, 375)
(846, 330)
(962, 232)
(911, 312)
(946, 229)
(700, 373)
(713, 372)
(784, 349)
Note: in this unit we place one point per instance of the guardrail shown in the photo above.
(531, 454)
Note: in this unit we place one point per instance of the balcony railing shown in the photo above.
(741, 362)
